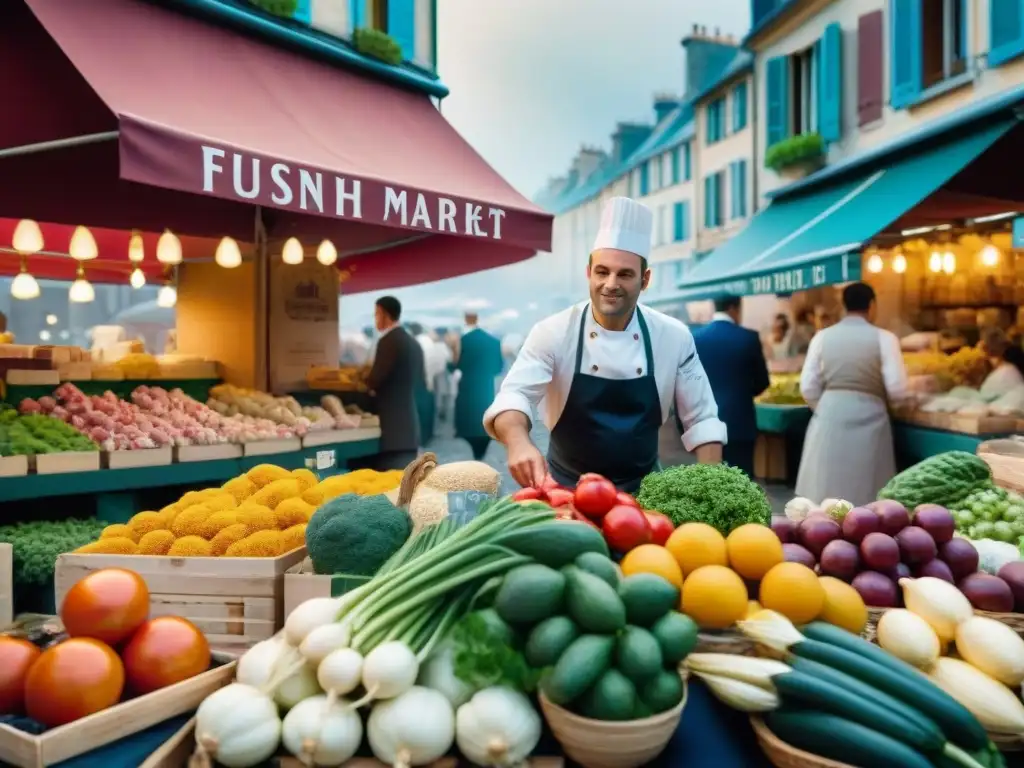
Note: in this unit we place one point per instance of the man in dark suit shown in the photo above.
(397, 367)
(734, 363)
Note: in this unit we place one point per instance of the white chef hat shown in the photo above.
(626, 225)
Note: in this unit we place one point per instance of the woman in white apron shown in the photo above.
(851, 373)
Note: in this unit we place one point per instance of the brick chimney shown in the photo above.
(664, 103)
(707, 55)
(627, 139)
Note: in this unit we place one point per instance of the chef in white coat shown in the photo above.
(608, 372)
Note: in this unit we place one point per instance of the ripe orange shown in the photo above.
(844, 606)
(794, 591)
(715, 597)
(695, 545)
(753, 550)
(650, 558)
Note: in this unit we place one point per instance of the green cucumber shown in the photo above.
(612, 698)
(583, 662)
(663, 691)
(600, 566)
(959, 725)
(548, 641)
(804, 691)
(647, 597)
(556, 543)
(676, 633)
(638, 655)
(593, 603)
(838, 739)
(530, 593)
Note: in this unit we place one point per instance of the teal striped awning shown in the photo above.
(814, 239)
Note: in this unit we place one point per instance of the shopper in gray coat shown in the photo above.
(397, 367)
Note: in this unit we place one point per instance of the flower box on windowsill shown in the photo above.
(797, 156)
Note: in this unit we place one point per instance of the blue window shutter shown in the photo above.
(645, 182)
(905, 52)
(741, 175)
(1006, 31)
(777, 100)
(303, 11)
(685, 217)
(708, 187)
(687, 169)
(402, 26)
(830, 83)
(358, 13)
(732, 189)
(676, 170)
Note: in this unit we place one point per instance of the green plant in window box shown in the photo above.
(804, 152)
(377, 45)
(283, 8)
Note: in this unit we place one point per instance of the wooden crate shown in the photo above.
(72, 461)
(188, 453)
(6, 584)
(982, 425)
(147, 457)
(235, 601)
(59, 744)
(770, 457)
(271, 447)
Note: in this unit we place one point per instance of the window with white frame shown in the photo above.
(654, 169)
(634, 183)
(943, 40)
(666, 169)
(803, 92)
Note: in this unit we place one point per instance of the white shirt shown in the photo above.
(433, 363)
(894, 373)
(546, 364)
(1003, 379)
(722, 316)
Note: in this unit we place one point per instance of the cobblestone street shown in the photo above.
(449, 448)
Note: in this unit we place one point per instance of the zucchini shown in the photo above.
(583, 662)
(833, 635)
(530, 593)
(804, 691)
(592, 603)
(556, 543)
(548, 641)
(959, 725)
(840, 740)
(862, 690)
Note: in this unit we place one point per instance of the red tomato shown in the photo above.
(107, 605)
(594, 497)
(626, 528)
(587, 477)
(527, 494)
(16, 658)
(580, 517)
(73, 679)
(548, 483)
(559, 497)
(661, 527)
(626, 500)
(165, 651)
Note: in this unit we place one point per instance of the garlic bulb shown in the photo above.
(320, 733)
(939, 603)
(238, 726)
(298, 686)
(797, 509)
(414, 728)
(257, 665)
(497, 727)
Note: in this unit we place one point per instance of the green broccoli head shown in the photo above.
(356, 535)
(716, 494)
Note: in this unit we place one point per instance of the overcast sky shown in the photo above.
(532, 80)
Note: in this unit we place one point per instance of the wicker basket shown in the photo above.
(600, 744)
(781, 755)
(1014, 621)
(726, 641)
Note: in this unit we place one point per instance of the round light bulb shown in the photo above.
(990, 256)
(326, 253)
(168, 248)
(65, 334)
(51, 319)
(167, 297)
(83, 245)
(136, 248)
(81, 291)
(228, 254)
(137, 278)
(875, 263)
(292, 251)
(899, 263)
(28, 237)
(45, 335)
(935, 262)
(24, 286)
(948, 262)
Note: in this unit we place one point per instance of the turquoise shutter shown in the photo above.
(905, 50)
(687, 169)
(303, 11)
(402, 26)
(830, 84)
(677, 228)
(733, 188)
(645, 182)
(1006, 31)
(741, 176)
(776, 100)
(708, 189)
(359, 14)
(676, 170)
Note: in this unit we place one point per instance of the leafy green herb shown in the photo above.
(37, 543)
(716, 494)
(483, 658)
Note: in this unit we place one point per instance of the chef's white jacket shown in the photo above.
(544, 369)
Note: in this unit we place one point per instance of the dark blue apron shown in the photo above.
(608, 426)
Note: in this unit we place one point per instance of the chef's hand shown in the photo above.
(526, 464)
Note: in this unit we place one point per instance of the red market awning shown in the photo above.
(161, 120)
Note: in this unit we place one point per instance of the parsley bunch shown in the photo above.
(483, 657)
(37, 544)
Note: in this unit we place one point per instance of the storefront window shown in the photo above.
(943, 44)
